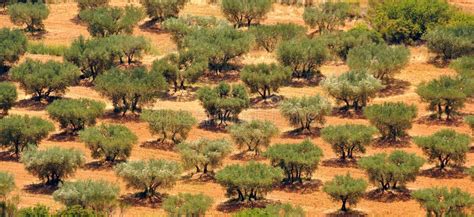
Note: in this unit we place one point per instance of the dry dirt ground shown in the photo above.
(61, 29)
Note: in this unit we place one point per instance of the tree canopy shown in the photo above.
(13, 44)
(29, 14)
(18, 132)
(111, 142)
(269, 37)
(253, 135)
(327, 16)
(445, 147)
(43, 79)
(106, 21)
(54, 164)
(7, 183)
(451, 42)
(160, 10)
(250, 181)
(346, 189)
(8, 97)
(296, 160)
(347, 139)
(169, 124)
(75, 114)
(441, 201)
(245, 12)
(204, 154)
(185, 204)
(128, 47)
(280, 210)
(302, 112)
(263, 78)
(149, 175)
(91, 4)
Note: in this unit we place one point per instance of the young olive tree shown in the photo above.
(8, 97)
(272, 210)
(130, 89)
(43, 79)
(98, 195)
(250, 181)
(269, 37)
(327, 16)
(54, 164)
(204, 154)
(296, 160)
(111, 142)
(106, 21)
(160, 10)
(348, 139)
(391, 171)
(445, 148)
(29, 14)
(451, 42)
(346, 189)
(303, 56)
(380, 60)
(223, 102)
(263, 78)
(185, 204)
(441, 201)
(245, 12)
(149, 175)
(7, 184)
(75, 114)
(181, 69)
(169, 124)
(391, 118)
(302, 112)
(253, 135)
(91, 4)
(18, 132)
(353, 89)
(13, 44)
(445, 95)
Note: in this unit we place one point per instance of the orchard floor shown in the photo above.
(63, 29)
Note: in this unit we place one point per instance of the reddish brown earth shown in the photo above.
(62, 29)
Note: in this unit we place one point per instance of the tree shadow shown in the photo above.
(31, 104)
(199, 177)
(395, 87)
(389, 196)
(302, 134)
(161, 145)
(37, 35)
(349, 114)
(8, 156)
(101, 165)
(64, 136)
(212, 127)
(247, 156)
(401, 142)
(452, 173)
(349, 213)
(301, 82)
(121, 119)
(4, 72)
(234, 205)
(433, 120)
(471, 149)
(152, 26)
(229, 74)
(40, 188)
(339, 163)
(272, 101)
(137, 199)
(187, 95)
(307, 187)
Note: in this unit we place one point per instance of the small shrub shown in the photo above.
(470, 121)
(8, 97)
(112, 142)
(41, 48)
(280, 210)
(348, 139)
(443, 201)
(346, 189)
(75, 114)
(54, 164)
(38, 210)
(29, 14)
(204, 154)
(253, 135)
(7, 183)
(263, 78)
(171, 125)
(304, 111)
(464, 66)
(445, 147)
(187, 204)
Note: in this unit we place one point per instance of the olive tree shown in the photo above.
(304, 56)
(464, 66)
(264, 78)
(43, 79)
(160, 10)
(169, 124)
(391, 118)
(106, 21)
(253, 135)
(91, 4)
(269, 37)
(13, 44)
(272, 210)
(75, 114)
(19, 132)
(223, 102)
(296, 160)
(181, 69)
(8, 97)
(185, 204)
(7, 184)
(346, 189)
(29, 14)
(250, 181)
(149, 175)
(353, 89)
(204, 154)
(348, 139)
(89, 194)
(441, 201)
(111, 142)
(54, 164)
(128, 47)
(244, 12)
(451, 42)
(391, 171)
(445, 95)
(445, 148)
(327, 16)
(303, 111)
(380, 60)
(130, 89)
